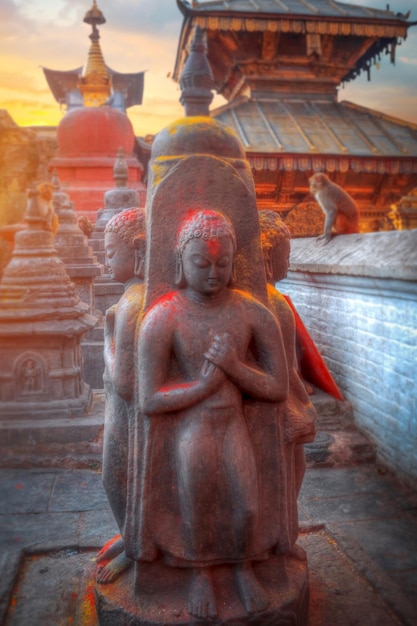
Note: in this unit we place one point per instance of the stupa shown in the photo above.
(95, 125)
(72, 247)
(121, 197)
(42, 322)
(279, 64)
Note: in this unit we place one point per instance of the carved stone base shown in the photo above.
(161, 596)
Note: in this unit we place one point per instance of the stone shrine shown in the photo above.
(73, 249)
(122, 197)
(107, 289)
(42, 322)
(210, 519)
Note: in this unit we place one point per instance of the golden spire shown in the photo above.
(95, 80)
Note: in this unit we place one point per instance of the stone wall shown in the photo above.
(357, 296)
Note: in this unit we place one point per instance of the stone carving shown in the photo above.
(310, 364)
(299, 413)
(124, 238)
(203, 332)
(340, 210)
(209, 521)
(30, 377)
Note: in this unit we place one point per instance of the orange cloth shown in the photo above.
(312, 366)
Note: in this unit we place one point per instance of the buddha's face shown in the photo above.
(207, 265)
(120, 257)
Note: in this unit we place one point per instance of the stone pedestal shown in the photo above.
(285, 579)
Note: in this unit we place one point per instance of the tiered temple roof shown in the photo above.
(359, 35)
(62, 82)
(316, 128)
(95, 83)
(279, 63)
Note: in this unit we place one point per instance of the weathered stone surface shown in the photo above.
(125, 247)
(366, 566)
(357, 297)
(73, 249)
(153, 604)
(390, 254)
(196, 466)
(41, 325)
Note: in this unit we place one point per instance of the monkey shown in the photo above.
(46, 209)
(85, 225)
(340, 210)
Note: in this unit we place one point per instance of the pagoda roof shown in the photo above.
(130, 84)
(287, 8)
(368, 33)
(290, 125)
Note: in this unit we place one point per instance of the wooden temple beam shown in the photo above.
(400, 166)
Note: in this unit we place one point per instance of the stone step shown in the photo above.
(332, 414)
(338, 442)
(70, 444)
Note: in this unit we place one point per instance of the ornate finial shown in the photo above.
(120, 169)
(94, 17)
(197, 79)
(95, 81)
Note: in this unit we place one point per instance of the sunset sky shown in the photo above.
(143, 35)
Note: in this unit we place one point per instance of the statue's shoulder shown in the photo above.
(246, 299)
(132, 298)
(163, 309)
(277, 301)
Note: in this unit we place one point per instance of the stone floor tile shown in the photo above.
(330, 482)
(78, 490)
(22, 531)
(392, 543)
(96, 528)
(350, 508)
(48, 590)
(339, 595)
(25, 492)
(302, 515)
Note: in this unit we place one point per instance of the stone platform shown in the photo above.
(66, 443)
(284, 580)
(358, 527)
(338, 442)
